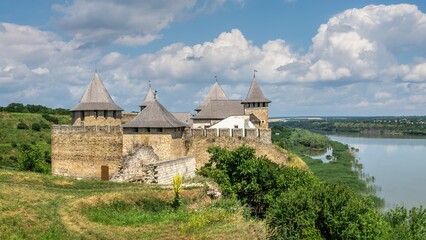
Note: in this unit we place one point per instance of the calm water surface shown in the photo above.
(398, 165)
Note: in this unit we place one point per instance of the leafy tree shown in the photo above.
(15, 107)
(295, 204)
(407, 224)
(32, 159)
(256, 181)
(325, 211)
(30, 108)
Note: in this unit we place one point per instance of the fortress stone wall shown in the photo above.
(261, 135)
(164, 145)
(81, 151)
(197, 146)
(166, 170)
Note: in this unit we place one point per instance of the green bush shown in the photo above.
(44, 125)
(50, 118)
(255, 181)
(325, 211)
(32, 159)
(22, 125)
(36, 127)
(407, 224)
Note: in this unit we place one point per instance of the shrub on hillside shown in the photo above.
(50, 118)
(36, 127)
(407, 224)
(31, 158)
(44, 125)
(22, 125)
(325, 211)
(256, 181)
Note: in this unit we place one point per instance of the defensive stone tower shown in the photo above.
(155, 126)
(96, 107)
(154, 118)
(149, 98)
(257, 104)
(215, 93)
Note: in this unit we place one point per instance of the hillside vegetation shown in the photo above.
(20, 129)
(297, 205)
(415, 126)
(37, 206)
(343, 169)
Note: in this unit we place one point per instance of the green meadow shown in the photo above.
(38, 206)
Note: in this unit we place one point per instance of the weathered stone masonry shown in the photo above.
(80, 151)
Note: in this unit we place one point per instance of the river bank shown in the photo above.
(397, 166)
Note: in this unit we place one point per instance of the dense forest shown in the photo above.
(414, 125)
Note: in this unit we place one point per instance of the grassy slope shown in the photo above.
(35, 206)
(10, 135)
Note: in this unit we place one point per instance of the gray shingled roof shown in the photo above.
(221, 109)
(215, 93)
(150, 97)
(185, 117)
(255, 94)
(96, 97)
(154, 115)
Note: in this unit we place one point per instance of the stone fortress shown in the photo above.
(154, 145)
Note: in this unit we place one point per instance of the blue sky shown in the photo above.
(322, 57)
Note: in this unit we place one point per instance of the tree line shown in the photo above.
(31, 108)
(391, 125)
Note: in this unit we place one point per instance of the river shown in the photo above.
(397, 164)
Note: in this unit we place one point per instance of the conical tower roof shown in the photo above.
(255, 94)
(150, 97)
(215, 93)
(96, 97)
(154, 115)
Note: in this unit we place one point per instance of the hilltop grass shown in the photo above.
(37, 206)
(11, 137)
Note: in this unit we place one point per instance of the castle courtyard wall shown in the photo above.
(166, 170)
(165, 146)
(80, 151)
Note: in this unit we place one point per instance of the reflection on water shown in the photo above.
(397, 166)
(326, 157)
